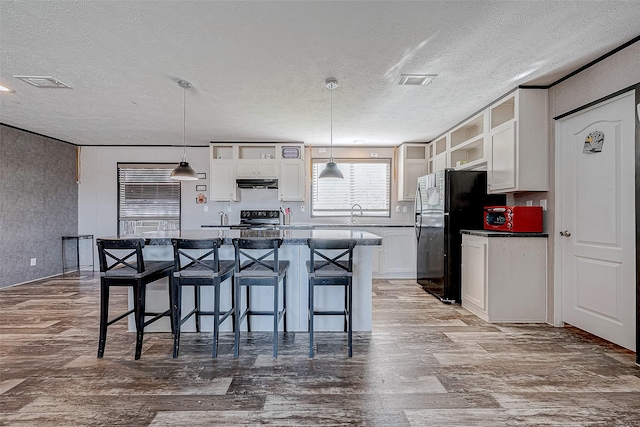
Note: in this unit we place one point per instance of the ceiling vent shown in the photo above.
(44, 82)
(416, 79)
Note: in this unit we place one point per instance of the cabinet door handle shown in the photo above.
(565, 233)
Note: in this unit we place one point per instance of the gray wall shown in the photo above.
(38, 204)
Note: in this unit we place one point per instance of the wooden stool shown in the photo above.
(192, 268)
(122, 264)
(264, 270)
(331, 271)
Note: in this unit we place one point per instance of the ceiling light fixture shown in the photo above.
(43, 82)
(184, 172)
(416, 79)
(331, 170)
(4, 89)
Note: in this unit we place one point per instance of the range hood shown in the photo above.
(257, 183)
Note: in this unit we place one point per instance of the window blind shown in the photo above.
(366, 182)
(148, 192)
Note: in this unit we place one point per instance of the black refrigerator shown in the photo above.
(446, 202)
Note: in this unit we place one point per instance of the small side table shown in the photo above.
(77, 239)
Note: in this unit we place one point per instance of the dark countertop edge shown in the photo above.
(491, 233)
(286, 241)
(325, 226)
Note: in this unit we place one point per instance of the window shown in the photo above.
(148, 200)
(366, 182)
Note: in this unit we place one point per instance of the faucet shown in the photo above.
(352, 207)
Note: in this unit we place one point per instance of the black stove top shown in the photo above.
(259, 217)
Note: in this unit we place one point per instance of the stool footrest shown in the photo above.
(330, 313)
(156, 316)
(112, 321)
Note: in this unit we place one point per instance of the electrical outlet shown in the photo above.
(543, 203)
(397, 208)
(529, 202)
(33, 262)
(301, 208)
(206, 208)
(229, 207)
(404, 209)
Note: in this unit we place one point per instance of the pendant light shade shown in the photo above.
(331, 170)
(184, 172)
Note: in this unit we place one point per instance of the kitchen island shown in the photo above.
(294, 249)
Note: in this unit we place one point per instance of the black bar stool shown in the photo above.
(264, 270)
(331, 271)
(193, 268)
(122, 264)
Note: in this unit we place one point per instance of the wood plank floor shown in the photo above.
(424, 364)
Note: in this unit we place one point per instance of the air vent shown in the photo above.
(416, 79)
(44, 82)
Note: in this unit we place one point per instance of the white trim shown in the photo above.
(557, 247)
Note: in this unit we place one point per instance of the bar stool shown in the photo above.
(331, 271)
(264, 270)
(122, 264)
(192, 268)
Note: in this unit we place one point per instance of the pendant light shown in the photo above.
(184, 172)
(331, 170)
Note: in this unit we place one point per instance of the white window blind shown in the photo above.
(366, 182)
(148, 200)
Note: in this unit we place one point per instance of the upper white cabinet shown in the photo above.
(509, 140)
(468, 144)
(284, 162)
(518, 149)
(413, 162)
(439, 154)
(222, 173)
(291, 181)
(257, 161)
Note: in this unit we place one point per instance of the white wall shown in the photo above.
(98, 188)
(617, 72)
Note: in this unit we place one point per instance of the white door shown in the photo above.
(597, 220)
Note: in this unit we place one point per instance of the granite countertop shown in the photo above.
(491, 233)
(290, 236)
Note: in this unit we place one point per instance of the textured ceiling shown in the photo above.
(258, 68)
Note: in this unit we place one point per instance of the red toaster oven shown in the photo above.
(518, 219)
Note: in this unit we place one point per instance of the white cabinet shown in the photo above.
(396, 258)
(256, 161)
(518, 149)
(222, 181)
(413, 162)
(509, 139)
(504, 279)
(467, 144)
(284, 162)
(256, 168)
(439, 154)
(291, 181)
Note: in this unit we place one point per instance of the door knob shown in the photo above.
(565, 233)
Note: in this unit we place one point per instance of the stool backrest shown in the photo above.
(121, 253)
(186, 254)
(318, 245)
(242, 245)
